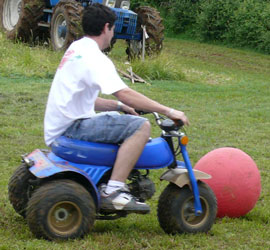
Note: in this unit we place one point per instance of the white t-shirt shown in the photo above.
(83, 72)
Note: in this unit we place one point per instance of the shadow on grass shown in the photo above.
(132, 223)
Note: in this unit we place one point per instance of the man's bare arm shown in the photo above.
(102, 104)
(138, 101)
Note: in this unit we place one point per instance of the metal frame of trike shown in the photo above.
(193, 181)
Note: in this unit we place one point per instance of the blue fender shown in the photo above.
(43, 167)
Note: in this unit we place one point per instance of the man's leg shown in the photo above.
(129, 152)
(116, 196)
(133, 132)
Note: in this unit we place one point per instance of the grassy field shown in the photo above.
(224, 92)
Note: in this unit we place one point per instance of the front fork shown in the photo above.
(192, 178)
(193, 181)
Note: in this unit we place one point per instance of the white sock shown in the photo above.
(112, 186)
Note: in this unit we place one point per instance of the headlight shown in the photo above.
(125, 5)
(110, 3)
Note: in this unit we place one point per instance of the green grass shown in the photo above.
(224, 92)
(21, 60)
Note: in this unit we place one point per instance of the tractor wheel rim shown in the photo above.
(64, 218)
(11, 13)
(60, 30)
(188, 213)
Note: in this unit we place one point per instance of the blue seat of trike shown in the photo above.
(156, 153)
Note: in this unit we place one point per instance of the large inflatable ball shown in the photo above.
(235, 180)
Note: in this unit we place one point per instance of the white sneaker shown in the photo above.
(122, 200)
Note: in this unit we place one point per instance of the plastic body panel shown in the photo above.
(46, 166)
(95, 172)
(156, 153)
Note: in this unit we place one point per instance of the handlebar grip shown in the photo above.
(179, 123)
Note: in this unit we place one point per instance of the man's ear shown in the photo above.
(106, 28)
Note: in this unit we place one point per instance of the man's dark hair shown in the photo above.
(95, 17)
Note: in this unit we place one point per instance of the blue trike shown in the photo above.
(57, 191)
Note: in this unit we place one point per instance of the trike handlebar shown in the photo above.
(165, 124)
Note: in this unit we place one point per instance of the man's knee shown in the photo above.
(146, 129)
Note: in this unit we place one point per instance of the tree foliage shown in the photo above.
(244, 23)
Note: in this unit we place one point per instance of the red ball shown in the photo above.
(235, 180)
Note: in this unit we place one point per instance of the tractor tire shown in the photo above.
(19, 18)
(150, 18)
(61, 210)
(66, 24)
(176, 211)
(20, 189)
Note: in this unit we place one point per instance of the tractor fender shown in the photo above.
(42, 168)
(180, 177)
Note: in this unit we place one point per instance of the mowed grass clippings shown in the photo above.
(225, 94)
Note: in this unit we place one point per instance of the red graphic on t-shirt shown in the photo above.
(66, 57)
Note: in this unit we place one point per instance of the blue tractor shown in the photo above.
(60, 21)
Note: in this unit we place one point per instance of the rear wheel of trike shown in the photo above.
(20, 189)
(176, 211)
(60, 210)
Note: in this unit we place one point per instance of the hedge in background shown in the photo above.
(250, 25)
(244, 23)
(213, 18)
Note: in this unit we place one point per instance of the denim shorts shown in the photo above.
(106, 127)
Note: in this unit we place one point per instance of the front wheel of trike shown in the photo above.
(176, 211)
